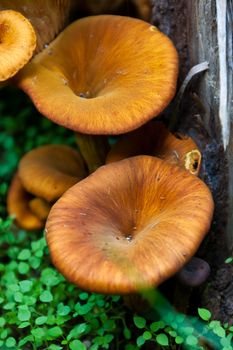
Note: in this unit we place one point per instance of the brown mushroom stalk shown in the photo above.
(155, 139)
(94, 149)
(129, 226)
(103, 75)
(48, 17)
(17, 43)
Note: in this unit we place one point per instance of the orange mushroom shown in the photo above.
(44, 174)
(48, 17)
(18, 205)
(128, 226)
(48, 171)
(103, 75)
(40, 208)
(17, 43)
(155, 139)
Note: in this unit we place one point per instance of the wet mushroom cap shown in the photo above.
(17, 43)
(48, 171)
(103, 75)
(155, 139)
(18, 205)
(130, 225)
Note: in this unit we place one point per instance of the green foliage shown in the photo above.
(229, 260)
(41, 310)
(204, 314)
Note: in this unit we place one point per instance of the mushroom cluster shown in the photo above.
(138, 219)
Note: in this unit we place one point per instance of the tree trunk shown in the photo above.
(202, 31)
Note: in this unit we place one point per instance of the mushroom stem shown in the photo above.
(93, 148)
(182, 296)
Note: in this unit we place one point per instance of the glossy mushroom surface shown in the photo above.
(48, 17)
(17, 43)
(48, 171)
(103, 75)
(155, 139)
(128, 226)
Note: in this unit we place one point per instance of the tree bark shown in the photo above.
(202, 31)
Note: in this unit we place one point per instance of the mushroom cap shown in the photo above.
(18, 204)
(155, 139)
(48, 171)
(194, 273)
(17, 43)
(128, 226)
(103, 75)
(39, 207)
(48, 17)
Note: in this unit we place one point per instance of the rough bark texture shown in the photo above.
(192, 26)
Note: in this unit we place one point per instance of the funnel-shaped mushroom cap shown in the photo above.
(48, 17)
(103, 75)
(48, 171)
(130, 225)
(18, 204)
(155, 139)
(17, 43)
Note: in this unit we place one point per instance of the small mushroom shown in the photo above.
(40, 208)
(18, 205)
(17, 43)
(155, 139)
(48, 171)
(194, 273)
(103, 75)
(44, 174)
(130, 225)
